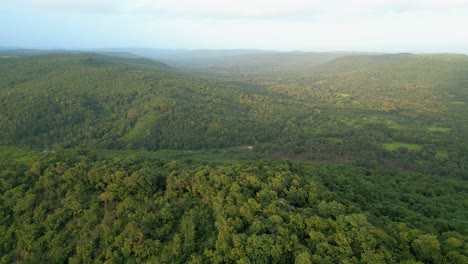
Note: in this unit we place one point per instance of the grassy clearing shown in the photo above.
(18, 154)
(392, 124)
(336, 140)
(395, 145)
(434, 128)
(359, 122)
(227, 155)
(343, 94)
(442, 154)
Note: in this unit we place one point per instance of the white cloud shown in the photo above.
(76, 5)
(397, 25)
(277, 9)
(221, 8)
(408, 31)
(252, 8)
(229, 9)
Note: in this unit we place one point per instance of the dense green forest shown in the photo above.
(356, 158)
(393, 111)
(81, 208)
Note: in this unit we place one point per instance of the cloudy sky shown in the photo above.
(311, 25)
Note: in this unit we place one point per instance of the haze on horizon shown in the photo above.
(421, 26)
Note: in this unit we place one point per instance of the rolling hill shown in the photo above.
(241, 156)
(356, 108)
(84, 100)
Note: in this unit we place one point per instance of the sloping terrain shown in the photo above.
(94, 100)
(396, 111)
(108, 159)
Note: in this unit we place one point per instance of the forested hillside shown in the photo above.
(107, 102)
(83, 209)
(247, 158)
(393, 111)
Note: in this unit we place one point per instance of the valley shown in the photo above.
(158, 156)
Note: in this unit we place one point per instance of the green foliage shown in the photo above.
(401, 146)
(129, 210)
(121, 160)
(426, 248)
(313, 107)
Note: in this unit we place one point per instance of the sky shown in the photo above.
(420, 26)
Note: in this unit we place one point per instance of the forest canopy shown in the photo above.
(256, 158)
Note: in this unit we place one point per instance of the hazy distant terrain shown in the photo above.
(238, 63)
